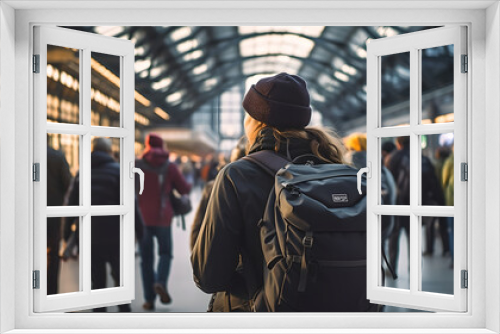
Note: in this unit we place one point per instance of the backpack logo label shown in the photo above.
(340, 198)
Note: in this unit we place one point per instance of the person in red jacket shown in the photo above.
(160, 178)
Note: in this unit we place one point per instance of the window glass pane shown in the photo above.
(105, 91)
(105, 169)
(437, 84)
(437, 169)
(395, 236)
(63, 88)
(395, 89)
(105, 251)
(437, 260)
(63, 257)
(63, 162)
(395, 177)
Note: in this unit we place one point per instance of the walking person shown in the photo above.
(161, 177)
(228, 254)
(432, 194)
(398, 163)
(58, 182)
(216, 302)
(441, 155)
(356, 156)
(105, 230)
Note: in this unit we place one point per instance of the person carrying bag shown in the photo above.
(285, 253)
(161, 178)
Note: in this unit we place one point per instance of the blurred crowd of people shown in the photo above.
(153, 219)
(154, 214)
(437, 183)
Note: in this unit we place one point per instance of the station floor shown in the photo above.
(186, 297)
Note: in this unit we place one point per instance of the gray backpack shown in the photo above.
(313, 237)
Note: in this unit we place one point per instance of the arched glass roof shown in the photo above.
(180, 68)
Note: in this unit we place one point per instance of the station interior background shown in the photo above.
(189, 85)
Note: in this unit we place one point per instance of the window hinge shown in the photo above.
(36, 172)
(464, 279)
(464, 171)
(465, 64)
(36, 279)
(36, 63)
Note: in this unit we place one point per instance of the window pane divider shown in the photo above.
(80, 211)
(433, 211)
(109, 210)
(421, 129)
(433, 129)
(107, 131)
(71, 129)
(392, 131)
(419, 210)
(67, 211)
(85, 173)
(392, 210)
(77, 129)
(415, 163)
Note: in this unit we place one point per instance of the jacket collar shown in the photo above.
(290, 148)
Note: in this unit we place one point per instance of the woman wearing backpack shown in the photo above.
(227, 255)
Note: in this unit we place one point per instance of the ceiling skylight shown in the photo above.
(312, 31)
(276, 44)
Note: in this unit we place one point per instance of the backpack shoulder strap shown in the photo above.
(143, 164)
(269, 161)
(161, 171)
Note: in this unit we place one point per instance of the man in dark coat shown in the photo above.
(58, 181)
(105, 230)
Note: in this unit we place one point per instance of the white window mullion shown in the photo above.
(85, 173)
(395, 210)
(373, 183)
(431, 129)
(63, 128)
(127, 162)
(414, 171)
(77, 129)
(80, 211)
(406, 210)
(434, 211)
(109, 210)
(67, 211)
(102, 131)
(393, 131)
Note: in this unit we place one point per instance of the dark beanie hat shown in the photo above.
(153, 140)
(281, 101)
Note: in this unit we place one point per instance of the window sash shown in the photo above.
(86, 43)
(412, 43)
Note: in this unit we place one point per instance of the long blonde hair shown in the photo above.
(325, 143)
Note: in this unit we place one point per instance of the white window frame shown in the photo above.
(413, 44)
(87, 43)
(483, 21)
